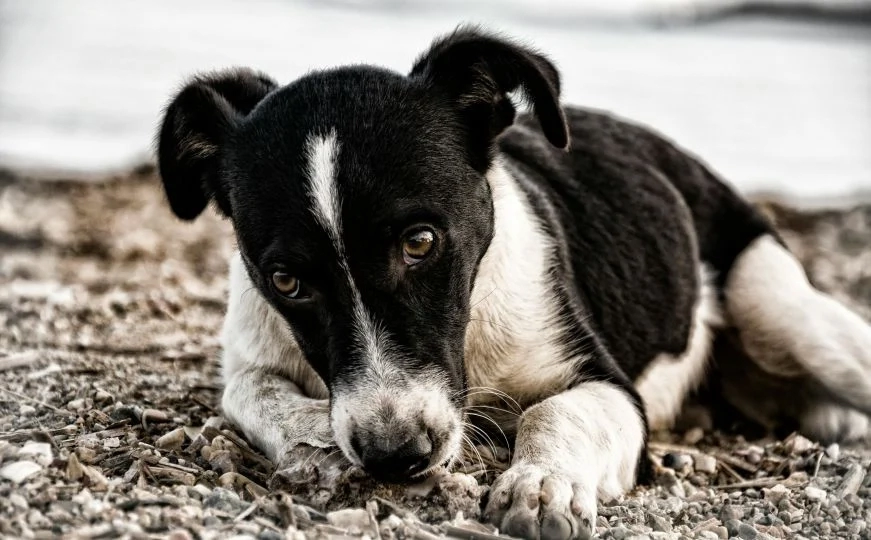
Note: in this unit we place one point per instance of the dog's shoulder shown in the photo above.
(627, 235)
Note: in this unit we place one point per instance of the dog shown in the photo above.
(416, 258)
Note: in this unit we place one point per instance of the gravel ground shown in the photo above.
(109, 388)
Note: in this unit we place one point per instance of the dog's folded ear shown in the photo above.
(477, 71)
(195, 128)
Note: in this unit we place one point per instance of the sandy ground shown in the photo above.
(109, 393)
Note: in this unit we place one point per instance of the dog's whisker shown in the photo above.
(311, 457)
(491, 407)
(487, 439)
(326, 457)
(471, 446)
(476, 390)
(485, 417)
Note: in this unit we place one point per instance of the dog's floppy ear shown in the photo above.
(194, 130)
(477, 71)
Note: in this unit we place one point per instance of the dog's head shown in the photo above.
(361, 207)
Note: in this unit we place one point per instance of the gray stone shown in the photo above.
(19, 471)
(776, 494)
(676, 461)
(815, 493)
(705, 464)
(659, 523)
(619, 533)
(730, 512)
(732, 526)
(747, 532)
(852, 480)
(225, 501)
(858, 526)
(354, 520)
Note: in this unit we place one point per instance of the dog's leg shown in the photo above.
(571, 450)
(789, 327)
(270, 392)
(273, 413)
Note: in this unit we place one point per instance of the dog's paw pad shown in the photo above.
(528, 501)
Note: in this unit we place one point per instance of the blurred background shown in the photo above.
(776, 95)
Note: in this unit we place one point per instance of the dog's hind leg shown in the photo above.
(788, 327)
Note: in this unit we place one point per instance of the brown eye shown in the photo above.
(285, 284)
(417, 245)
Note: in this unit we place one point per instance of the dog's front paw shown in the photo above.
(305, 465)
(531, 501)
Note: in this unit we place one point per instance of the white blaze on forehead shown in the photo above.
(322, 153)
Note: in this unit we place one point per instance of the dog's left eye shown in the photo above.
(417, 245)
(286, 285)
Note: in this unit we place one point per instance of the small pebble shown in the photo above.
(18, 502)
(40, 451)
(815, 493)
(179, 534)
(747, 532)
(355, 520)
(731, 513)
(776, 494)
(676, 461)
(76, 404)
(798, 444)
(26, 409)
(619, 533)
(705, 464)
(172, 440)
(659, 523)
(19, 471)
(111, 442)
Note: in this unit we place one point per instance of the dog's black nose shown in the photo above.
(385, 460)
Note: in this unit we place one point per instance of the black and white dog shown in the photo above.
(409, 251)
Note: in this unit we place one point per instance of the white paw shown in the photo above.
(531, 501)
(306, 465)
(828, 422)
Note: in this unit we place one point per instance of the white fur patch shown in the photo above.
(512, 339)
(787, 326)
(668, 380)
(321, 153)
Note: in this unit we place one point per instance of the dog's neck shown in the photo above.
(514, 324)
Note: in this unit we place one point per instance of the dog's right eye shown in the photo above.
(417, 245)
(285, 284)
